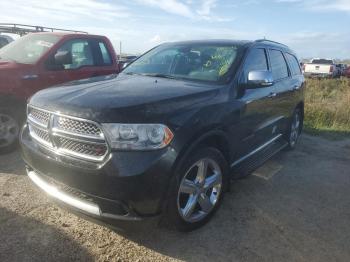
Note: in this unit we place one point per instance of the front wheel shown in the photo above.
(294, 129)
(9, 129)
(198, 189)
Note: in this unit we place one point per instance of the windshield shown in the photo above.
(28, 49)
(205, 62)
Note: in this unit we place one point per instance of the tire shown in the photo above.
(194, 198)
(10, 124)
(294, 128)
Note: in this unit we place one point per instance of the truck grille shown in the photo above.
(82, 148)
(67, 135)
(39, 116)
(77, 126)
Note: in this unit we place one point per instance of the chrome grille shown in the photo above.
(40, 133)
(39, 116)
(67, 135)
(78, 126)
(88, 149)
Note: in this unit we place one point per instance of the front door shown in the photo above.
(258, 118)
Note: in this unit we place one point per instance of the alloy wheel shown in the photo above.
(295, 129)
(199, 190)
(9, 130)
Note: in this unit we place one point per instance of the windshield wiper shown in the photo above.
(160, 75)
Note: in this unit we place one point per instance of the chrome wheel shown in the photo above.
(295, 129)
(9, 130)
(199, 190)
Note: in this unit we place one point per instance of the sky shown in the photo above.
(313, 28)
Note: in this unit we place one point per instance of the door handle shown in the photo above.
(272, 95)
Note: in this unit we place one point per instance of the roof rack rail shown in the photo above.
(266, 40)
(21, 29)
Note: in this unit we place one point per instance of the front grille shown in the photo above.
(79, 127)
(79, 147)
(40, 133)
(40, 116)
(66, 135)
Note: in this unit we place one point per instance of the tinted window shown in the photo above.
(278, 65)
(255, 61)
(293, 63)
(107, 60)
(322, 61)
(81, 53)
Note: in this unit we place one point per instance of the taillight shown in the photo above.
(331, 69)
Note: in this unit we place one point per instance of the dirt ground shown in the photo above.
(294, 208)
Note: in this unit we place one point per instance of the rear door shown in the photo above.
(284, 88)
(290, 94)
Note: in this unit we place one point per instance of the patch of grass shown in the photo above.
(327, 107)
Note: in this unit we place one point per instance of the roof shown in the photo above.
(211, 41)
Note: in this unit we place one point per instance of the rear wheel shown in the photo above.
(198, 190)
(295, 128)
(9, 129)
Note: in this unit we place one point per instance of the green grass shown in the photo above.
(327, 107)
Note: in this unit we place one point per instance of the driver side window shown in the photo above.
(255, 61)
(81, 52)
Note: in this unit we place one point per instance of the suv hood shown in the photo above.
(122, 98)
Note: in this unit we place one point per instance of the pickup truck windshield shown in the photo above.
(28, 49)
(206, 62)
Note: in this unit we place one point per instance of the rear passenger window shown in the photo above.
(278, 65)
(294, 64)
(107, 60)
(81, 53)
(255, 61)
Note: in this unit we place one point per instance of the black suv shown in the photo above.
(166, 135)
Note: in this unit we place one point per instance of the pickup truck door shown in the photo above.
(258, 116)
(90, 58)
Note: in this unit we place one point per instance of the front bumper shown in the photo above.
(128, 186)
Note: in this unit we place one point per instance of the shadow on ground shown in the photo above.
(12, 163)
(25, 239)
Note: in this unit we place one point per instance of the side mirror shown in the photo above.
(63, 58)
(258, 79)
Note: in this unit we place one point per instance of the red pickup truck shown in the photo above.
(40, 60)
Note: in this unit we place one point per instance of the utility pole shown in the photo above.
(120, 48)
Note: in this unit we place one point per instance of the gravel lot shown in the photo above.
(294, 208)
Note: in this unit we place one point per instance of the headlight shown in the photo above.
(138, 136)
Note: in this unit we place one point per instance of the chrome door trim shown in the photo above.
(256, 150)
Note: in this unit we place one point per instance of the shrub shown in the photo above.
(327, 104)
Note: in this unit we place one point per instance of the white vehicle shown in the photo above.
(321, 68)
(4, 40)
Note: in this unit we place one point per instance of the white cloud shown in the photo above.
(170, 6)
(155, 39)
(63, 10)
(193, 9)
(321, 5)
(206, 7)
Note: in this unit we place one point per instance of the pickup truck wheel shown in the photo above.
(9, 129)
(295, 128)
(197, 190)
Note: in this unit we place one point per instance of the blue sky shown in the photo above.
(314, 28)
